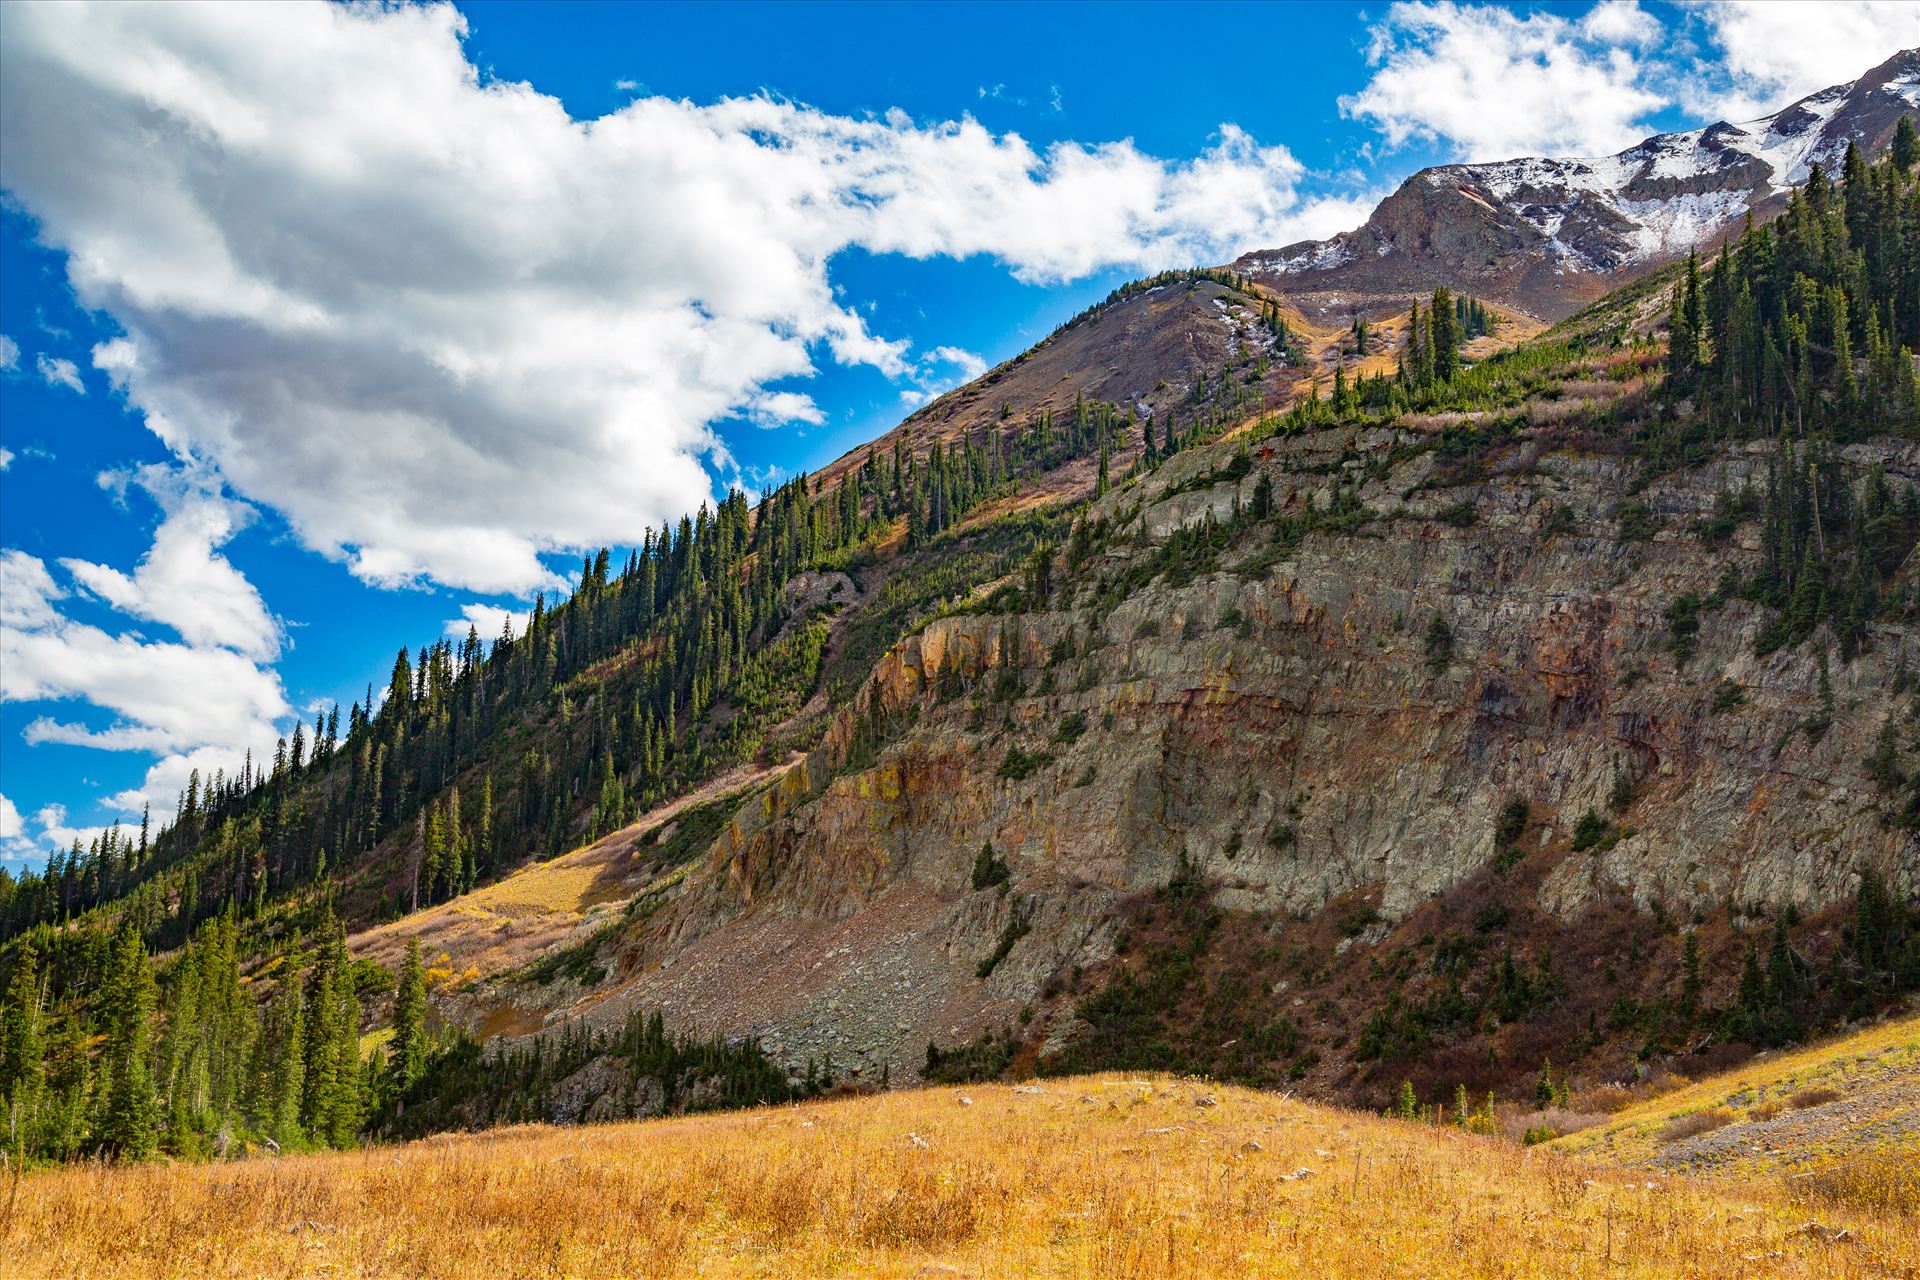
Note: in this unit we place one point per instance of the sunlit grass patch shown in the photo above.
(1109, 1176)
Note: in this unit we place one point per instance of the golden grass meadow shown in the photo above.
(1104, 1176)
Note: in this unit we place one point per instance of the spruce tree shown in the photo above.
(1438, 643)
(1906, 144)
(1883, 766)
(409, 1020)
(22, 1053)
(319, 1045)
(347, 1103)
(128, 1118)
(277, 1067)
(1446, 336)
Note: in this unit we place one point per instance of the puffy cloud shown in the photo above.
(1621, 22)
(201, 703)
(445, 328)
(1772, 53)
(6, 459)
(187, 703)
(777, 408)
(1493, 84)
(182, 581)
(488, 619)
(166, 779)
(27, 593)
(967, 365)
(9, 354)
(55, 833)
(940, 371)
(14, 843)
(168, 696)
(58, 372)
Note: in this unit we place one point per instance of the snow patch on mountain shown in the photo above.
(1322, 256)
(1791, 141)
(1648, 203)
(1667, 228)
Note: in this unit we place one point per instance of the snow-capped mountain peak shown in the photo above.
(1545, 235)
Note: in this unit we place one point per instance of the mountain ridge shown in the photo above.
(1546, 236)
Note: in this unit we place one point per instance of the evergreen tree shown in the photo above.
(1906, 144)
(1446, 337)
(1752, 1000)
(277, 1068)
(22, 1053)
(1690, 980)
(1438, 643)
(127, 1126)
(409, 1020)
(330, 1094)
(1262, 497)
(1686, 325)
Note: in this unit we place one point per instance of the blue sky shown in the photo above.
(326, 327)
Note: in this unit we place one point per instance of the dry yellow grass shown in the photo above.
(1095, 1177)
(499, 927)
(1842, 1067)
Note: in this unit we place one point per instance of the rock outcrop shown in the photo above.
(1284, 720)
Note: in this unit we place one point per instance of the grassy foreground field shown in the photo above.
(1093, 1177)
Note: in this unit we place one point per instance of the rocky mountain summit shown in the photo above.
(1548, 236)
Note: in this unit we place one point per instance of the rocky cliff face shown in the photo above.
(1283, 718)
(1547, 236)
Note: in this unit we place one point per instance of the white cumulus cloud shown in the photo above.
(487, 619)
(1776, 51)
(55, 833)
(1489, 83)
(939, 371)
(9, 354)
(1494, 84)
(967, 365)
(187, 703)
(444, 328)
(182, 581)
(777, 408)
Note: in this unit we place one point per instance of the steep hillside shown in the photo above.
(1106, 1177)
(1401, 703)
(1183, 347)
(1273, 711)
(1547, 236)
(1496, 723)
